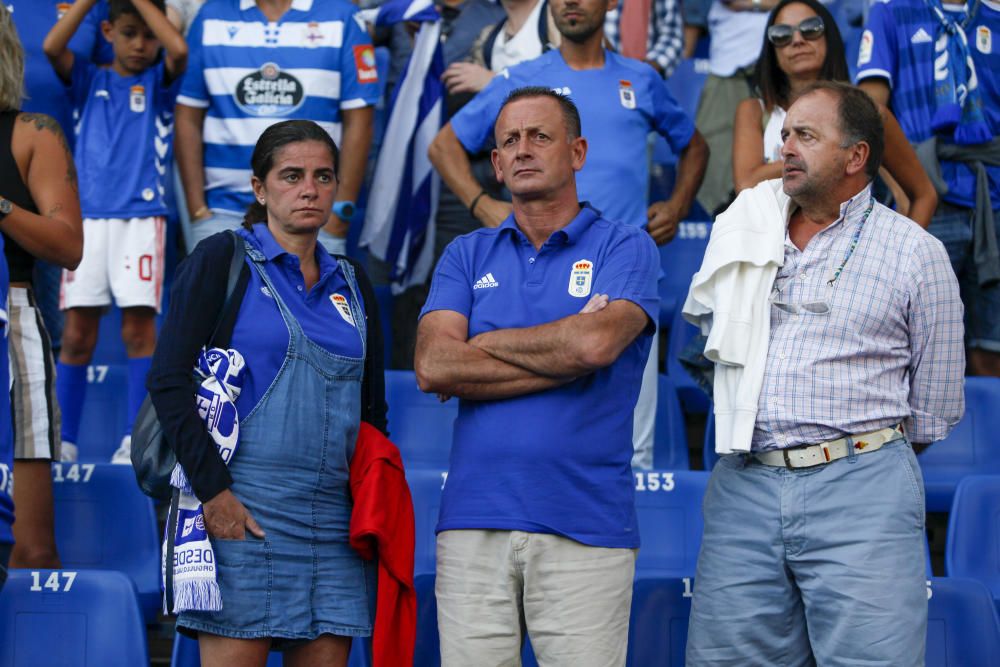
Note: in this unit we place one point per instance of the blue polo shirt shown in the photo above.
(620, 104)
(555, 461)
(898, 45)
(260, 333)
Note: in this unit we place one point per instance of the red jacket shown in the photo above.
(382, 525)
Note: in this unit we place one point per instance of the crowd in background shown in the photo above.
(230, 68)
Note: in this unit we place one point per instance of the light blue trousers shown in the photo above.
(821, 566)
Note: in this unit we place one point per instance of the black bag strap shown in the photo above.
(236, 266)
(168, 580)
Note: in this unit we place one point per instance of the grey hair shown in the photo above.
(11, 63)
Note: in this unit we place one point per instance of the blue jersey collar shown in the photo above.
(568, 235)
(272, 250)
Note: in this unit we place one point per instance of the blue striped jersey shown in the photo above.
(124, 128)
(898, 45)
(248, 73)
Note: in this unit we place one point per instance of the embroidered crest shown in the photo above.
(984, 39)
(137, 98)
(343, 306)
(626, 94)
(580, 277)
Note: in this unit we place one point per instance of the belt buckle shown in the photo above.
(788, 461)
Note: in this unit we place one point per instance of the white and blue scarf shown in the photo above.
(194, 575)
(959, 102)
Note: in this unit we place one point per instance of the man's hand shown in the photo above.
(466, 77)
(226, 518)
(663, 216)
(492, 212)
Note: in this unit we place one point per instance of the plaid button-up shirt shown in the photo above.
(883, 345)
(665, 45)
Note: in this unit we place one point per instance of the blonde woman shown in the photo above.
(39, 219)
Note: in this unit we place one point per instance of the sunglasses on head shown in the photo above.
(781, 34)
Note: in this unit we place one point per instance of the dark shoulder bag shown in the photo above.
(153, 460)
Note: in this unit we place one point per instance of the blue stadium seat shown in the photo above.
(973, 548)
(425, 487)
(972, 448)
(962, 625)
(686, 83)
(708, 455)
(657, 633)
(104, 522)
(669, 507)
(693, 399)
(68, 617)
(419, 423)
(680, 260)
(104, 412)
(428, 648)
(670, 448)
(383, 293)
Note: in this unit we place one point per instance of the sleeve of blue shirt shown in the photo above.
(193, 91)
(451, 288)
(356, 91)
(473, 124)
(877, 53)
(669, 119)
(631, 270)
(80, 79)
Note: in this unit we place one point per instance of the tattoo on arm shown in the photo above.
(52, 211)
(44, 122)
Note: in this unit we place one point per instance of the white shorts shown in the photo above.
(121, 258)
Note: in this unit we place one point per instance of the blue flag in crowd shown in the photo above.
(399, 222)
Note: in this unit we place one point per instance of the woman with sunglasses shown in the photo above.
(802, 45)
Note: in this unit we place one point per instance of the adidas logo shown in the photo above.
(486, 281)
(921, 37)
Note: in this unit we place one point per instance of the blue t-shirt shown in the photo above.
(898, 45)
(45, 93)
(124, 140)
(620, 104)
(249, 73)
(260, 334)
(555, 461)
(6, 424)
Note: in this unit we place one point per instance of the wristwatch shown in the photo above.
(5, 207)
(344, 209)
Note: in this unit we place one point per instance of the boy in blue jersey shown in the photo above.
(937, 66)
(123, 137)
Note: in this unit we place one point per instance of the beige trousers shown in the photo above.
(495, 587)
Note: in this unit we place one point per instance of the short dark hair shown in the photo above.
(272, 140)
(860, 119)
(571, 115)
(120, 7)
(768, 79)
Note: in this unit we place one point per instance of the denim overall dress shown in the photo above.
(291, 472)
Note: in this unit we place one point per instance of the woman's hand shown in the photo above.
(226, 518)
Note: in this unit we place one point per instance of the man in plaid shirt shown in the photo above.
(813, 549)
